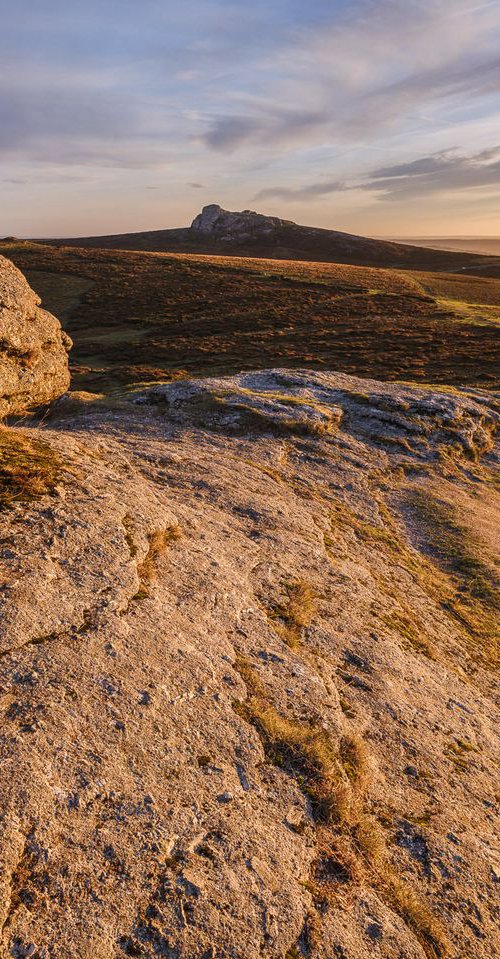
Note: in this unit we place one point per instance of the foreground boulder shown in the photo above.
(33, 347)
(247, 699)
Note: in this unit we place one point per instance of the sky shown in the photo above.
(380, 118)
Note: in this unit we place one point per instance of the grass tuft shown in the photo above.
(305, 750)
(350, 844)
(159, 541)
(411, 635)
(295, 613)
(452, 544)
(267, 470)
(475, 597)
(417, 916)
(29, 468)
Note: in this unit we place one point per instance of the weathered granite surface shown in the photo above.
(147, 623)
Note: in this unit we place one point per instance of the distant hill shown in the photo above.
(221, 232)
(485, 245)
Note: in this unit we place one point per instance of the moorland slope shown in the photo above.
(139, 317)
(487, 245)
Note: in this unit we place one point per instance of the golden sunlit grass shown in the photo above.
(326, 773)
(413, 635)
(448, 566)
(291, 616)
(417, 916)
(222, 409)
(350, 844)
(455, 548)
(476, 313)
(343, 517)
(28, 468)
(273, 474)
(459, 287)
(475, 596)
(159, 542)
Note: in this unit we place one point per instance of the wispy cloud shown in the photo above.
(442, 173)
(273, 126)
(377, 67)
(439, 173)
(307, 192)
(242, 97)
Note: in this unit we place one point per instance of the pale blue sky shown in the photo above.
(372, 117)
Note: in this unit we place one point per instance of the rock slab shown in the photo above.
(147, 598)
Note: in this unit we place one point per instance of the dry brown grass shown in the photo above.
(342, 517)
(217, 315)
(412, 635)
(417, 916)
(453, 545)
(474, 595)
(159, 542)
(29, 468)
(273, 474)
(333, 776)
(303, 749)
(462, 287)
(291, 616)
(128, 529)
(449, 568)
(350, 843)
(222, 410)
(309, 938)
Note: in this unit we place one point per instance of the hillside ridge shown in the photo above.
(248, 233)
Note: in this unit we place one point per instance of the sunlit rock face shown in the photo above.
(33, 347)
(247, 683)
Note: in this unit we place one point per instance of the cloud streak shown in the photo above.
(285, 101)
(371, 72)
(439, 173)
